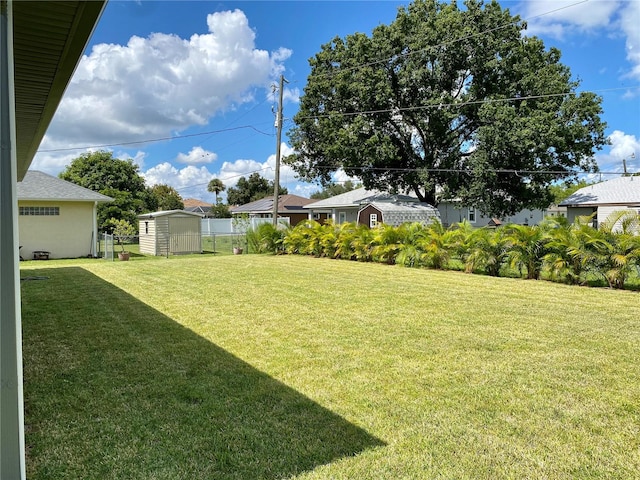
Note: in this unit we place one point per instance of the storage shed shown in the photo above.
(397, 213)
(170, 232)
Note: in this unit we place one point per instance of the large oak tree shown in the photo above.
(447, 102)
(120, 179)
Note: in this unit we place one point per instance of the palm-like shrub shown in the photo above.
(436, 246)
(304, 239)
(345, 236)
(266, 238)
(489, 249)
(462, 240)
(622, 255)
(572, 250)
(386, 243)
(526, 245)
(362, 243)
(410, 253)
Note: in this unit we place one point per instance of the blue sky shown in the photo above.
(204, 70)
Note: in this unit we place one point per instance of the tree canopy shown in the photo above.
(252, 189)
(120, 179)
(447, 102)
(164, 197)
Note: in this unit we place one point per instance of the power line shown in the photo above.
(460, 104)
(226, 178)
(513, 171)
(137, 142)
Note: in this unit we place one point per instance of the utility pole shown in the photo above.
(276, 181)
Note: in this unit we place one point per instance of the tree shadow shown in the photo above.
(116, 389)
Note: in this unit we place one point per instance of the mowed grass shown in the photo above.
(248, 367)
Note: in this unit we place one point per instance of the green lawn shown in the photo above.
(249, 367)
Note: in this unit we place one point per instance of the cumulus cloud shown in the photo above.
(557, 18)
(197, 155)
(623, 147)
(629, 22)
(161, 84)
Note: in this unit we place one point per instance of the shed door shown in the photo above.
(184, 234)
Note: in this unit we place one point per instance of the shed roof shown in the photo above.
(617, 191)
(286, 204)
(164, 213)
(414, 207)
(397, 213)
(40, 186)
(358, 197)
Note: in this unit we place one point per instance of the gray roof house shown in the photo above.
(360, 204)
(347, 208)
(289, 206)
(604, 198)
(56, 218)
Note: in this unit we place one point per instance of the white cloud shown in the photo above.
(630, 24)
(161, 84)
(623, 147)
(53, 163)
(230, 172)
(197, 155)
(189, 181)
(557, 18)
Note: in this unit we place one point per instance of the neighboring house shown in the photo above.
(452, 212)
(347, 206)
(604, 198)
(197, 206)
(170, 232)
(56, 217)
(289, 206)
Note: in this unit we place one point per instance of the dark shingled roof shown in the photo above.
(40, 186)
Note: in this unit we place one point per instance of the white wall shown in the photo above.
(68, 235)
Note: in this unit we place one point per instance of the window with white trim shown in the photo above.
(342, 217)
(373, 220)
(471, 215)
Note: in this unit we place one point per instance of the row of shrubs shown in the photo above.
(555, 250)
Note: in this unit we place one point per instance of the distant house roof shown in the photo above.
(358, 197)
(198, 209)
(286, 204)
(618, 191)
(194, 202)
(39, 186)
(164, 213)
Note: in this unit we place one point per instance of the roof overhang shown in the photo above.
(49, 40)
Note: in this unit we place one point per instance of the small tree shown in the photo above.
(123, 231)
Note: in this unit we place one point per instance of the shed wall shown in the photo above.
(147, 229)
(364, 216)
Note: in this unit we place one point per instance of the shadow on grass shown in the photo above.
(116, 389)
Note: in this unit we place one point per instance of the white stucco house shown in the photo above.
(56, 217)
(604, 198)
